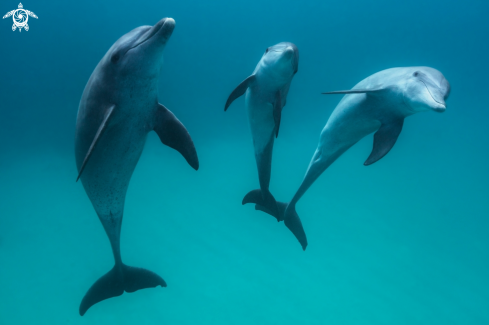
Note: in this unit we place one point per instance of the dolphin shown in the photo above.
(378, 103)
(266, 94)
(118, 108)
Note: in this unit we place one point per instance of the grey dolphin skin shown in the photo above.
(118, 108)
(266, 93)
(379, 103)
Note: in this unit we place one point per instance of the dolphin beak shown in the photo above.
(164, 28)
(440, 105)
(437, 95)
(291, 55)
(440, 108)
(161, 30)
(289, 52)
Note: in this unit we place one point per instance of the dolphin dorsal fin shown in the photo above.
(99, 133)
(174, 134)
(384, 139)
(353, 91)
(239, 91)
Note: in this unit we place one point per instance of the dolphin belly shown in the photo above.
(106, 178)
(260, 117)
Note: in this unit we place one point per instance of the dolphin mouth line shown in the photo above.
(147, 39)
(429, 91)
(142, 42)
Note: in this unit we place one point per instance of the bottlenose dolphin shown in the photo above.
(118, 108)
(266, 93)
(379, 103)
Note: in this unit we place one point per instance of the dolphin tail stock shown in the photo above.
(174, 134)
(121, 278)
(239, 91)
(291, 220)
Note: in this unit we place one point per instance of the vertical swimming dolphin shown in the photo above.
(266, 94)
(379, 103)
(118, 108)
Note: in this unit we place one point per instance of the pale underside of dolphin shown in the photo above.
(266, 93)
(378, 103)
(118, 108)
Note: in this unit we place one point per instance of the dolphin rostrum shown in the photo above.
(266, 93)
(118, 108)
(379, 103)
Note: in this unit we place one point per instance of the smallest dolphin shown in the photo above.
(378, 103)
(266, 94)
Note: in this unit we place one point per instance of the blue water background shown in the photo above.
(404, 241)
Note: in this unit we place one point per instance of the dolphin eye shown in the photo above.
(115, 58)
(267, 50)
(416, 74)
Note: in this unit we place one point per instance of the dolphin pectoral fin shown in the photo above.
(353, 91)
(239, 91)
(118, 280)
(384, 139)
(97, 137)
(277, 112)
(174, 134)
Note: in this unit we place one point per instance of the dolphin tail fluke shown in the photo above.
(291, 220)
(118, 280)
(108, 286)
(281, 210)
(264, 199)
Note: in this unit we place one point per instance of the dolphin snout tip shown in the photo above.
(170, 22)
(440, 108)
(166, 26)
(289, 51)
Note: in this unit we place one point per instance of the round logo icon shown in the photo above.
(20, 17)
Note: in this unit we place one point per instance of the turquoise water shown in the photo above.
(403, 241)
